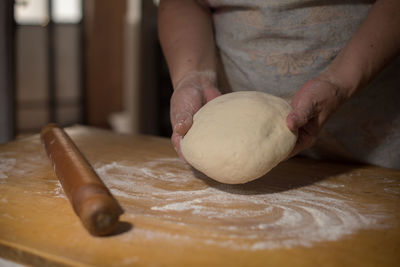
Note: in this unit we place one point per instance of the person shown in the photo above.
(335, 61)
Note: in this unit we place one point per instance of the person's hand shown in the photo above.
(190, 94)
(312, 105)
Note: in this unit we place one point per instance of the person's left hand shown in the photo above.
(312, 105)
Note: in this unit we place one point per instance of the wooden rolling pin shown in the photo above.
(92, 201)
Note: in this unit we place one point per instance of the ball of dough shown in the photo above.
(239, 137)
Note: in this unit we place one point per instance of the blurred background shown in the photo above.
(90, 62)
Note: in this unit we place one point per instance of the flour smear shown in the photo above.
(230, 217)
(167, 192)
(7, 163)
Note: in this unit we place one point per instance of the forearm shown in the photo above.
(186, 36)
(373, 46)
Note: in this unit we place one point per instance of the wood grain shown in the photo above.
(349, 214)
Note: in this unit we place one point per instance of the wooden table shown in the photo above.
(303, 213)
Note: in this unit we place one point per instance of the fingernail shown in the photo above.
(177, 126)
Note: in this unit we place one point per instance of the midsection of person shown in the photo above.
(336, 62)
(277, 46)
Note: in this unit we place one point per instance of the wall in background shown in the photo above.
(145, 85)
(155, 84)
(32, 81)
(48, 64)
(104, 24)
(128, 120)
(6, 71)
(99, 65)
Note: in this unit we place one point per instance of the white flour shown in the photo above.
(166, 191)
(266, 220)
(13, 166)
(6, 164)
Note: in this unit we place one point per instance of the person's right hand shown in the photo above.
(190, 94)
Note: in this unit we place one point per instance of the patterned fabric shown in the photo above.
(277, 45)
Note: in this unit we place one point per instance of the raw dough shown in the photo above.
(239, 137)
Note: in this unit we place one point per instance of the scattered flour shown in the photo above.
(6, 164)
(13, 166)
(260, 220)
(228, 216)
(167, 191)
(59, 190)
(8, 263)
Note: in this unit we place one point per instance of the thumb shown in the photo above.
(184, 104)
(182, 122)
(304, 105)
(303, 111)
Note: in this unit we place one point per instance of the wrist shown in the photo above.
(348, 80)
(197, 79)
(349, 71)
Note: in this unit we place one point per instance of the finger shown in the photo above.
(183, 122)
(184, 104)
(176, 142)
(210, 94)
(292, 121)
(301, 115)
(304, 106)
(305, 140)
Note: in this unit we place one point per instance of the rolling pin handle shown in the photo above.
(97, 209)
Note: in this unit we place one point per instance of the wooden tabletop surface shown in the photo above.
(303, 213)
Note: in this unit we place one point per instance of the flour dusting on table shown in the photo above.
(236, 218)
(6, 164)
